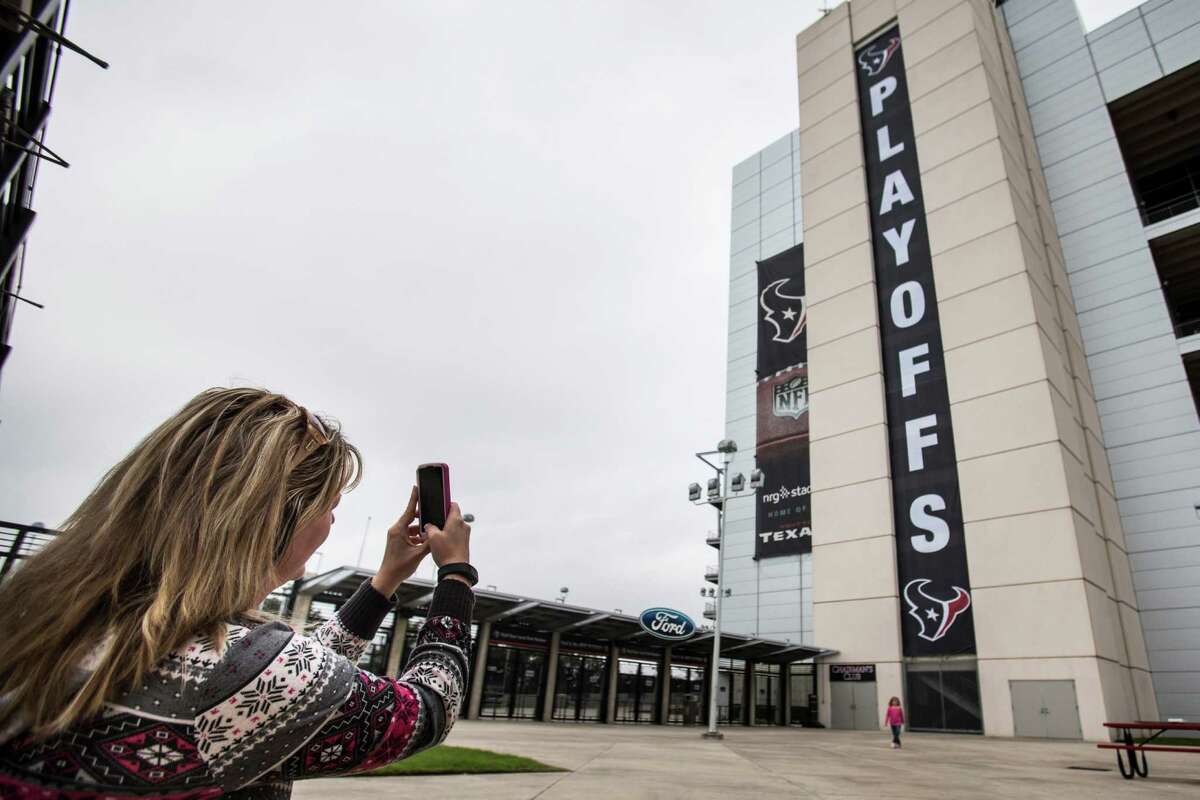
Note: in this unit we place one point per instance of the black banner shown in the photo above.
(930, 548)
(784, 518)
(782, 312)
(852, 673)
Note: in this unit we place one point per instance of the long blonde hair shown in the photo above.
(179, 538)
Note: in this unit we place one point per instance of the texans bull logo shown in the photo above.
(932, 613)
(790, 307)
(876, 57)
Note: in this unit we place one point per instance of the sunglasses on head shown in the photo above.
(315, 436)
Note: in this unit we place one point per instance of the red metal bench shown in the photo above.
(1132, 748)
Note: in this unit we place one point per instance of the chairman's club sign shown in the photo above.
(930, 551)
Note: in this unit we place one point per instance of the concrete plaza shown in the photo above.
(670, 762)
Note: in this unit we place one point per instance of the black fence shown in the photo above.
(20, 541)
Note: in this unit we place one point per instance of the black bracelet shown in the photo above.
(460, 568)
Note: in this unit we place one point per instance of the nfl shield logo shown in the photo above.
(791, 397)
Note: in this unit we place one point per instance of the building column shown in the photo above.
(300, 609)
(551, 677)
(614, 671)
(395, 655)
(706, 693)
(785, 694)
(479, 669)
(749, 699)
(664, 687)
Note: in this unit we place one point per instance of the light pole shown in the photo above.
(718, 494)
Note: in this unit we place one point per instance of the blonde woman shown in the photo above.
(134, 661)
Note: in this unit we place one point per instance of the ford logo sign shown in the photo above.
(666, 623)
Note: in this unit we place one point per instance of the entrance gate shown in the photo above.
(687, 693)
(766, 694)
(579, 692)
(637, 691)
(512, 686)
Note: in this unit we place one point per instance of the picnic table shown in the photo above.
(1132, 748)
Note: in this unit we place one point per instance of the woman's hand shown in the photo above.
(406, 548)
(452, 544)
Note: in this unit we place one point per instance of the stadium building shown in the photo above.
(30, 43)
(964, 340)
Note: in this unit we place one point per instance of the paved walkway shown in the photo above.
(629, 761)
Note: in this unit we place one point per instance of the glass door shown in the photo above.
(566, 688)
(637, 687)
(497, 694)
(687, 693)
(527, 684)
(512, 684)
(627, 691)
(803, 694)
(579, 691)
(647, 692)
(591, 689)
(766, 697)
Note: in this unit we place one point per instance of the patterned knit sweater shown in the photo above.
(265, 708)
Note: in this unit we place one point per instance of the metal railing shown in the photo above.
(1165, 209)
(1186, 327)
(19, 542)
(1176, 195)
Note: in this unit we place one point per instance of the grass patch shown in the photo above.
(1183, 741)
(448, 760)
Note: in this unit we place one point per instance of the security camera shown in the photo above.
(694, 492)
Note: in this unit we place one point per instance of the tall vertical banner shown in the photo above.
(783, 520)
(930, 546)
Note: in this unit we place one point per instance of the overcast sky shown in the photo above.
(489, 234)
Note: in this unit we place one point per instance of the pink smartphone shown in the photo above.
(433, 491)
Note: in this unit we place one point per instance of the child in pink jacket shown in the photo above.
(894, 717)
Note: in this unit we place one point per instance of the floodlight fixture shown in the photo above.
(757, 479)
(737, 482)
(694, 492)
